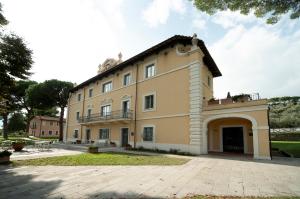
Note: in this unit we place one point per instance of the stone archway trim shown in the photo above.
(244, 116)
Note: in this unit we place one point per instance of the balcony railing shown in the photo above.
(119, 115)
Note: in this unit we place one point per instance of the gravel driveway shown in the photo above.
(216, 175)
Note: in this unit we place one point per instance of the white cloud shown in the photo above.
(158, 11)
(257, 59)
(68, 38)
(199, 23)
(228, 19)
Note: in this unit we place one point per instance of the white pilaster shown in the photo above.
(196, 136)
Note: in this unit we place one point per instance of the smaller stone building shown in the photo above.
(44, 126)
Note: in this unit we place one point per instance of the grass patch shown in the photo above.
(290, 147)
(103, 159)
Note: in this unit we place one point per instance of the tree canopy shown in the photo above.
(16, 123)
(15, 63)
(3, 20)
(272, 9)
(284, 112)
(51, 93)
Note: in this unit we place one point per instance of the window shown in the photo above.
(208, 81)
(107, 87)
(56, 132)
(78, 97)
(105, 110)
(76, 133)
(150, 70)
(149, 102)
(57, 123)
(77, 115)
(89, 113)
(127, 79)
(34, 125)
(50, 132)
(43, 132)
(51, 123)
(91, 92)
(103, 134)
(148, 134)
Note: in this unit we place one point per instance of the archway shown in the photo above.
(228, 128)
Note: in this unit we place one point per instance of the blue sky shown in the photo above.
(70, 38)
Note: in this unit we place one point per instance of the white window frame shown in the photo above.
(106, 82)
(87, 114)
(92, 92)
(154, 102)
(109, 104)
(142, 133)
(145, 69)
(108, 133)
(130, 79)
(77, 118)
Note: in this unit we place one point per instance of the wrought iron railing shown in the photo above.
(113, 115)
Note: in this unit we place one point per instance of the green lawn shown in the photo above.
(103, 159)
(290, 147)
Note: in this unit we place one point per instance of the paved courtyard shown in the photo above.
(216, 175)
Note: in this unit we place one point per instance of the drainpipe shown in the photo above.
(67, 122)
(40, 126)
(270, 147)
(135, 105)
(82, 114)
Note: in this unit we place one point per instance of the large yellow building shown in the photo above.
(161, 99)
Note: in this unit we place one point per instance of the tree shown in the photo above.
(285, 112)
(19, 95)
(15, 63)
(16, 123)
(7, 106)
(273, 9)
(49, 94)
(3, 20)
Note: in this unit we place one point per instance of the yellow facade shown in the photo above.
(181, 85)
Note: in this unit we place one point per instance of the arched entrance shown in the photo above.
(234, 133)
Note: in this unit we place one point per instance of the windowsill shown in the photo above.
(146, 78)
(148, 141)
(107, 92)
(149, 110)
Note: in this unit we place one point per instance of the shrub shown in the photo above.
(285, 136)
(173, 151)
(93, 149)
(5, 153)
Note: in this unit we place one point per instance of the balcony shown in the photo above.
(243, 100)
(113, 116)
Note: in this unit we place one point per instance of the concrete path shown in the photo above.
(32, 153)
(216, 175)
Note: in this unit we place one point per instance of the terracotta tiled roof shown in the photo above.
(49, 118)
(208, 60)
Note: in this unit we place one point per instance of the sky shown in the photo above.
(70, 38)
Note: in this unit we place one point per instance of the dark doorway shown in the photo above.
(125, 108)
(124, 134)
(233, 139)
(88, 134)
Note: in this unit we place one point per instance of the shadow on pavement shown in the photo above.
(247, 158)
(113, 194)
(13, 185)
